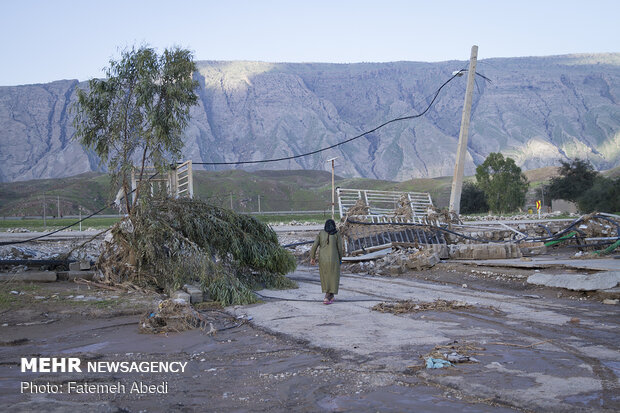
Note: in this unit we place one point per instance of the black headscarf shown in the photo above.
(330, 228)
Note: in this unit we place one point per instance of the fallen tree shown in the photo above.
(167, 243)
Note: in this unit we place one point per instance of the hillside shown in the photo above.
(536, 109)
(295, 190)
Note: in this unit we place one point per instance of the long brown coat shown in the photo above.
(330, 256)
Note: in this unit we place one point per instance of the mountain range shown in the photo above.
(537, 110)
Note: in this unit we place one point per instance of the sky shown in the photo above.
(47, 40)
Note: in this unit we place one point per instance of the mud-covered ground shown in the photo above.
(240, 368)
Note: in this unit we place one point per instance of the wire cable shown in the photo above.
(456, 74)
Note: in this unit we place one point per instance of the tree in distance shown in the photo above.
(473, 200)
(603, 196)
(137, 114)
(503, 183)
(576, 177)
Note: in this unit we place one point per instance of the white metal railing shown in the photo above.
(184, 180)
(381, 203)
(178, 182)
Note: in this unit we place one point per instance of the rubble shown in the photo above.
(403, 209)
(359, 208)
(408, 306)
(171, 316)
(454, 352)
(484, 251)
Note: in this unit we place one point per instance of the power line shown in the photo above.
(456, 74)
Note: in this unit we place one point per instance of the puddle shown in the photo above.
(404, 399)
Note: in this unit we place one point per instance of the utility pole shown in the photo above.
(231, 207)
(80, 218)
(44, 214)
(259, 203)
(58, 205)
(457, 180)
(333, 186)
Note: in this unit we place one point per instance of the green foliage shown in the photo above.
(576, 177)
(139, 111)
(503, 183)
(603, 196)
(177, 241)
(473, 200)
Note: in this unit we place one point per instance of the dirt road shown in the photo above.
(536, 353)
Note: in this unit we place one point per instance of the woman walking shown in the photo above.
(329, 244)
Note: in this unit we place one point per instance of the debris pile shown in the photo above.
(455, 352)
(403, 209)
(397, 260)
(408, 306)
(360, 208)
(593, 226)
(168, 243)
(437, 217)
(171, 316)
(402, 260)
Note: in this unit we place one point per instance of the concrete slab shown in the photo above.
(194, 292)
(29, 276)
(180, 296)
(369, 256)
(577, 282)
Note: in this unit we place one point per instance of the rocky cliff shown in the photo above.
(537, 110)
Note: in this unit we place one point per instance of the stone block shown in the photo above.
(533, 248)
(30, 276)
(194, 292)
(441, 250)
(84, 265)
(481, 252)
(413, 264)
(433, 260)
(74, 266)
(73, 275)
(180, 296)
